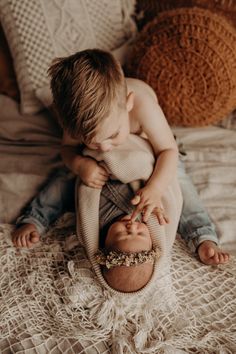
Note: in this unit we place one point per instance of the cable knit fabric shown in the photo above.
(131, 163)
(188, 56)
(40, 30)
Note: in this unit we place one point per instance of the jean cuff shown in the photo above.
(31, 220)
(196, 241)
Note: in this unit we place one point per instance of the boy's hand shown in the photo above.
(92, 174)
(148, 201)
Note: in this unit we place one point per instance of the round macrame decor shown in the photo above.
(188, 56)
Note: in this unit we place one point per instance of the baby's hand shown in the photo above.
(148, 201)
(92, 174)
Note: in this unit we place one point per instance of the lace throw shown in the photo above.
(51, 302)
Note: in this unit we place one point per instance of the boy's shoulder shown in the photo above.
(140, 88)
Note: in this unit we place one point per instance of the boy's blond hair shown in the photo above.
(85, 87)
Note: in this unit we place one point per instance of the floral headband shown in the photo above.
(117, 258)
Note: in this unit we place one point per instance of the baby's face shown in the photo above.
(127, 236)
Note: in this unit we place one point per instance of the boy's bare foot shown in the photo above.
(209, 253)
(25, 236)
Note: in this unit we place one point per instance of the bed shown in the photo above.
(50, 300)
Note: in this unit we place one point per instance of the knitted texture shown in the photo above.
(148, 10)
(188, 56)
(40, 30)
(52, 303)
(133, 161)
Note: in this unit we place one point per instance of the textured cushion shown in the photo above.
(149, 9)
(40, 30)
(44, 93)
(8, 84)
(188, 56)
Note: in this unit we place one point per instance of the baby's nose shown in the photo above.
(131, 226)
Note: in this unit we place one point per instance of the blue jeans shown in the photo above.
(53, 200)
(194, 227)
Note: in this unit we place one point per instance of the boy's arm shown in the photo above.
(159, 134)
(165, 150)
(154, 125)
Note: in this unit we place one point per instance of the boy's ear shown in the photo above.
(130, 101)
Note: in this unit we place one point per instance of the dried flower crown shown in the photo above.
(117, 258)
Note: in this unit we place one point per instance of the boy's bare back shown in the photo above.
(142, 93)
(146, 116)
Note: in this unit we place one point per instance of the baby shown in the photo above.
(126, 251)
(128, 258)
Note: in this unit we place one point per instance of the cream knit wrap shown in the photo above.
(132, 162)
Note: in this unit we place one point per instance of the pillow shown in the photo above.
(17, 129)
(8, 84)
(229, 122)
(188, 56)
(30, 151)
(44, 93)
(147, 10)
(40, 30)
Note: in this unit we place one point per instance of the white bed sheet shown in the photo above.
(211, 163)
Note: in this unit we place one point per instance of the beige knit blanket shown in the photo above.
(51, 302)
(132, 162)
